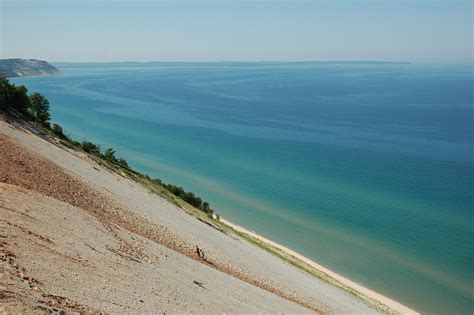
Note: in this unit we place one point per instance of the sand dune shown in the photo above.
(76, 236)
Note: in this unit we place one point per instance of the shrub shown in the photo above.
(58, 131)
(189, 197)
(122, 162)
(109, 155)
(90, 147)
(157, 181)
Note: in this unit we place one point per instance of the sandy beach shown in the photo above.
(108, 244)
(392, 304)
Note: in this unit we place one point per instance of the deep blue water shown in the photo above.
(365, 168)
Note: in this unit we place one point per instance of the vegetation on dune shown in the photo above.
(189, 197)
(39, 109)
(123, 162)
(90, 147)
(58, 131)
(35, 107)
(12, 97)
(109, 155)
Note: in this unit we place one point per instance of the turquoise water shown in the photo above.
(365, 168)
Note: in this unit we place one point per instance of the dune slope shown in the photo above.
(82, 237)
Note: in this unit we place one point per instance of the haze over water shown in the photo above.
(366, 168)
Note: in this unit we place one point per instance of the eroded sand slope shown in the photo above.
(78, 231)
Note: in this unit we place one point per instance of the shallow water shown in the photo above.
(365, 168)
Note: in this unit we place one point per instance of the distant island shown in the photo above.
(27, 67)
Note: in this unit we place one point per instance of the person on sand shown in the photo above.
(198, 252)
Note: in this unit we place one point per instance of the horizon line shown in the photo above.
(219, 61)
(341, 61)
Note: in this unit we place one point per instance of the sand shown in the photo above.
(81, 261)
(116, 247)
(390, 303)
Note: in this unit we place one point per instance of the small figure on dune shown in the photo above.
(198, 252)
(199, 284)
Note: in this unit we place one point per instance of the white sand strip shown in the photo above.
(392, 304)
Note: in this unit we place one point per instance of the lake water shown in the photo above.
(365, 168)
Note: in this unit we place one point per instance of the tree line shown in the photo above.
(15, 99)
(35, 107)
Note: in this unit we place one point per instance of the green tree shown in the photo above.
(20, 100)
(6, 90)
(39, 108)
(13, 97)
(58, 131)
(205, 206)
(109, 155)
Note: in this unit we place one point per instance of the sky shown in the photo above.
(222, 30)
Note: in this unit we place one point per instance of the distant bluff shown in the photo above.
(26, 67)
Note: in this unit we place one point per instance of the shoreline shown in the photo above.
(362, 293)
(368, 293)
(134, 214)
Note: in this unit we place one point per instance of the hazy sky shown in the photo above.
(114, 30)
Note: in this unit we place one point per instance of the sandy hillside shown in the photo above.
(76, 236)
